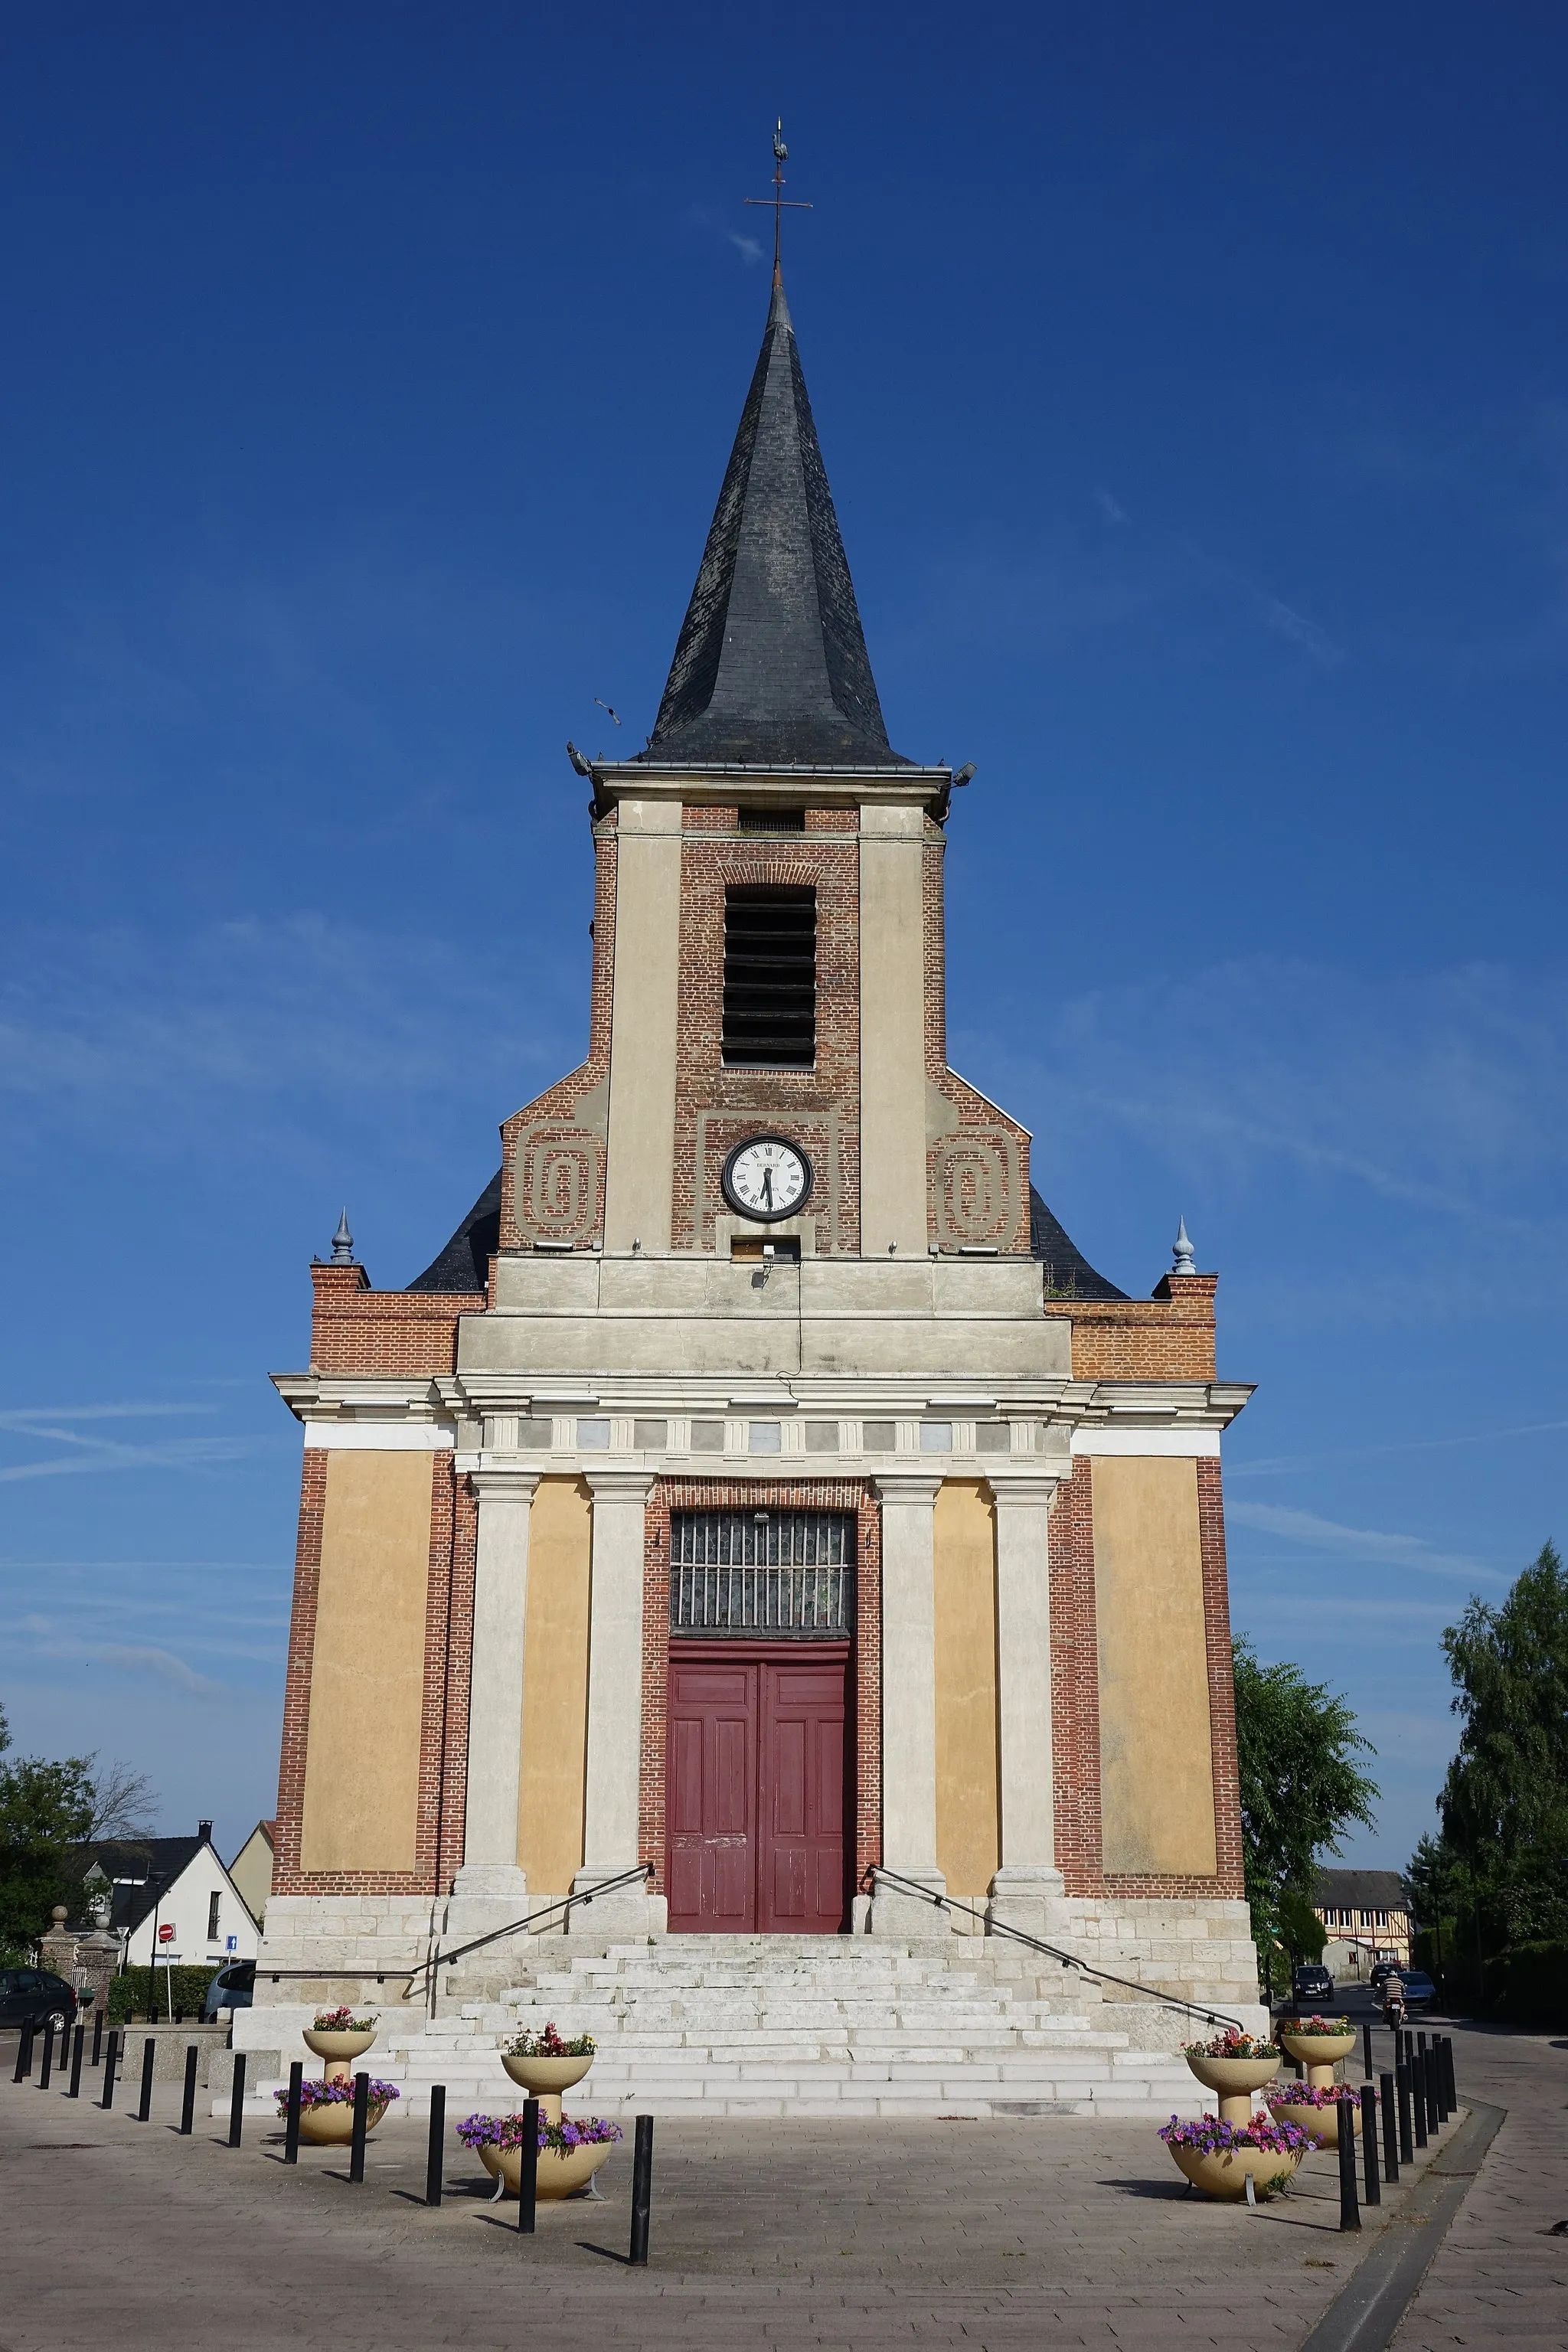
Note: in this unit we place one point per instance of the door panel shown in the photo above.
(803, 1716)
(712, 1796)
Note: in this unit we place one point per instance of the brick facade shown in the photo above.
(1075, 1698)
(1170, 1337)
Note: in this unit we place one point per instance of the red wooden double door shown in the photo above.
(756, 1790)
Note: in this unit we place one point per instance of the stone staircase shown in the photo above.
(820, 2026)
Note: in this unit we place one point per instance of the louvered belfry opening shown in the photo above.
(784, 1575)
(770, 977)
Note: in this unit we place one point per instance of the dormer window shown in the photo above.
(770, 977)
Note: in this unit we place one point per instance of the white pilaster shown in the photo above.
(1028, 1879)
(909, 1704)
(612, 1787)
(490, 1867)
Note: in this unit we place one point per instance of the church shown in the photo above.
(760, 1553)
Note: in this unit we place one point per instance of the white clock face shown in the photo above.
(766, 1177)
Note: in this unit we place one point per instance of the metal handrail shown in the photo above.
(1053, 1951)
(426, 1969)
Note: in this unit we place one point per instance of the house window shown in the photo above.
(1382, 1918)
(770, 977)
(212, 1901)
(1366, 1918)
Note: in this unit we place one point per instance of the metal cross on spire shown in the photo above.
(780, 203)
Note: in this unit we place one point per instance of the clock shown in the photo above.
(765, 1178)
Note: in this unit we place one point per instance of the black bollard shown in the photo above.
(78, 2052)
(188, 2104)
(1367, 2048)
(110, 2068)
(1419, 2095)
(1350, 2209)
(1390, 2128)
(437, 2140)
(1429, 2075)
(1406, 2136)
(642, 2189)
(98, 2037)
(149, 2059)
(24, 2051)
(361, 2115)
(237, 2101)
(1435, 2077)
(528, 2168)
(291, 2125)
(1448, 2071)
(46, 2068)
(1369, 2145)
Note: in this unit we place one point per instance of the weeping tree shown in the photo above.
(1301, 1789)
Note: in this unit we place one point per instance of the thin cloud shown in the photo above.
(1111, 508)
(129, 1657)
(180, 1454)
(1371, 1543)
(1277, 1464)
(747, 247)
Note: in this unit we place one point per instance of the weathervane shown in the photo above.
(780, 203)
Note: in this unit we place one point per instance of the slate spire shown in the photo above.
(771, 666)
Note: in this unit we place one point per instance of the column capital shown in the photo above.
(495, 1485)
(620, 1486)
(1032, 1490)
(907, 1486)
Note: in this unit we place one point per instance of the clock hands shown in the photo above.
(767, 1200)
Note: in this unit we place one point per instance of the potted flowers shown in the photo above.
(1219, 2157)
(1234, 2065)
(545, 2066)
(340, 2037)
(570, 2152)
(327, 2109)
(1316, 2108)
(1316, 2042)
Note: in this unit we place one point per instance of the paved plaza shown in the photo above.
(1033, 2233)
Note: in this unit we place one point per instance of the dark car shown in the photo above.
(1310, 1982)
(1381, 1974)
(32, 1995)
(1419, 1989)
(232, 1988)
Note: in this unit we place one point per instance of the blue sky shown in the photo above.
(1191, 385)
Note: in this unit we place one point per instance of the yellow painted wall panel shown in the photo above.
(968, 1803)
(1156, 1768)
(367, 1668)
(555, 1685)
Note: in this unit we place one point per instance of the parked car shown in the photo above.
(34, 1994)
(1381, 1974)
(232, 1988)
(1419, 1989)
(1310, 1982)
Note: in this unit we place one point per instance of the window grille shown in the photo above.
(770, 977)
(790, 1574)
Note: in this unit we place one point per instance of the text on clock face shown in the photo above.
(768, 1177)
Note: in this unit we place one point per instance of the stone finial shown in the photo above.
(1183, 1250)
(343, 1242)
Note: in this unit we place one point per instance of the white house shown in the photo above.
(172, 1899)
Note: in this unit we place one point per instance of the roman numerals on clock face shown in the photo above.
(766, 1177)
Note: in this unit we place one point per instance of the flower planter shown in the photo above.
(1323, 2122)
(1223, 2172)
(1235, 2079)
(559, 2175)
(333, 2125)
(1317, 2052)
(546, 2079)
(339, 2049)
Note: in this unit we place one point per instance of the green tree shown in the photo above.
(1503, 1857)
(48, 1811)
(1301, 1787)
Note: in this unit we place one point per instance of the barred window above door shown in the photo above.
(785, 1574)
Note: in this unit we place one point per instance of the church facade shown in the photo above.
(760, 1509)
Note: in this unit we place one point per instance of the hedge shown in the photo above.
(1530, 1985)
(130, 1993)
